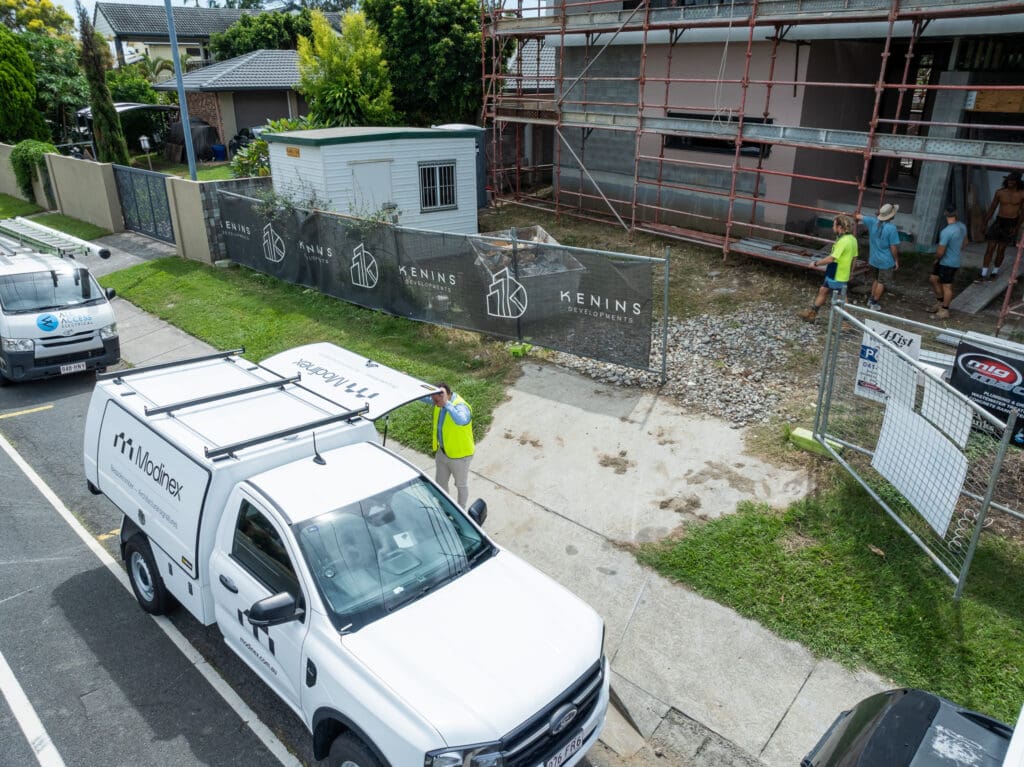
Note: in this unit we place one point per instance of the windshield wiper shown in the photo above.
(479, 555)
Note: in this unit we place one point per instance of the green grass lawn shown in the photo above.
(230, 308)
(832, 572)
(204, 171)
(11, 207)
(81, 229)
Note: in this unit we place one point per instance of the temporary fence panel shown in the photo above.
(923, 418)
(590, 303)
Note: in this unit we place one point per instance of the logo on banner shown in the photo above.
(506, 297)
(600, 307)
(990, 370)
(273, 245)
(365, 271)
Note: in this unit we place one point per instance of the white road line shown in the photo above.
(247, 715)
(35, 733)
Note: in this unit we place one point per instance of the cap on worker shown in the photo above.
(1013, 175)
(950, 211)
(887, 212)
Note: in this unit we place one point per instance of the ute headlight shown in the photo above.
(108, 332)
(19, 345)
(481, 755)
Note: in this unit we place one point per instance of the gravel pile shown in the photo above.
(734, 366)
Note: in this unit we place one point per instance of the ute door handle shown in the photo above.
(228, 584)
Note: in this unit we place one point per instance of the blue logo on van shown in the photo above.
(47, 322)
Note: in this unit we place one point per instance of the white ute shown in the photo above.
(55, 319)
(260, 498)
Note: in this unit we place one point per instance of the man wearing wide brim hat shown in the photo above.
(1008, 205)
(884, 254)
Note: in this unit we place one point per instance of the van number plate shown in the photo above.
(74, 367)
(566, 751)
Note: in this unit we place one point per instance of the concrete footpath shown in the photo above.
(572, 469)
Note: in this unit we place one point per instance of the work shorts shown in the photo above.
(1003, 230)
(946, 274)
(883, 276)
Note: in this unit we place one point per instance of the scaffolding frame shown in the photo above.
(520, 97)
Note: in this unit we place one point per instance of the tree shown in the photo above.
(35, 16)
(129, 83)
(433, 52)
(345, 79)
(106, 127)
(19, 118)
(275, 30)
(61, 88)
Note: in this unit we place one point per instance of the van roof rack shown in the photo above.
(221, 395)
(119, 374)
(219, 452)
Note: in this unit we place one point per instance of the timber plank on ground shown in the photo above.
(978, 295)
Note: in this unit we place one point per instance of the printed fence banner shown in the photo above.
(588, 303)
(870, 366)
(993, 380)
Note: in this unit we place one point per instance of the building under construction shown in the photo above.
(747, 124)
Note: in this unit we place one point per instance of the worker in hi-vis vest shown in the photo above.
(452, 440)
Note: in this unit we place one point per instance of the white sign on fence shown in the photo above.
(868, 383)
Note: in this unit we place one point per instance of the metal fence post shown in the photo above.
(664, 324)
(979, 523)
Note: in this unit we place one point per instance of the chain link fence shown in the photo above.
(941, 465)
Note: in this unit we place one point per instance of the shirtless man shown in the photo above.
(1010, 201)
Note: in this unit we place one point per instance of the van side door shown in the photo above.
(254, 558)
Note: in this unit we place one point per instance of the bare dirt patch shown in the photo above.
(619, 462)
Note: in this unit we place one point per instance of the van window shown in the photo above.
(258, 548)
(48, 290)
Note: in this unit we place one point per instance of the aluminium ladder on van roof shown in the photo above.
(230, 449)
(49, 240)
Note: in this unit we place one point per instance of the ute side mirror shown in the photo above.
(478, 511)
(274, 610)
(109, 293)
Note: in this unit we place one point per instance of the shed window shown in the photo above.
(437, 185)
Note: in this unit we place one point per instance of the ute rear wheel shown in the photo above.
(348, 751)
(145, 577)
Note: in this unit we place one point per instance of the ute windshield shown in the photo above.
(48, 290)
(379, 554)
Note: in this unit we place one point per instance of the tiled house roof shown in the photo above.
(263, 70)
(539, 67)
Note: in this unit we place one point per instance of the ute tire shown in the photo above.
(145, 578)
(349, 751)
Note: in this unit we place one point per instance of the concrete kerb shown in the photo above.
(572, 469)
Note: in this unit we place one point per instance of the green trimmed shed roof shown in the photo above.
(327, 136)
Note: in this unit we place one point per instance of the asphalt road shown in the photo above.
(107, 683)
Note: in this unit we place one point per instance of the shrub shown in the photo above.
(254, 158)
(26, 156)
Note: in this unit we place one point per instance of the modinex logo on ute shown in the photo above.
(147, 465)
(995, 370)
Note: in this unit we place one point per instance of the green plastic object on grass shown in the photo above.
(804, 439)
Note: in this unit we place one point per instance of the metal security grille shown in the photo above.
(437, 186)
(939, 464)
(144, 202)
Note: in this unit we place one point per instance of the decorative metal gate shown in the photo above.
(144, 202)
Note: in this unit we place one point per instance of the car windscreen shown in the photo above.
(379, 554)
(48, 290)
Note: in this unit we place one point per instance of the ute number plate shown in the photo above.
(74, 367)
(566, 751)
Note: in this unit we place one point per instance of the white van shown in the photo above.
(55, 319)
(259, 497)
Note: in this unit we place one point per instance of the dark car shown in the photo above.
(911, 728)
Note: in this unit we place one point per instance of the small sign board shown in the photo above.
(993, 380)
(292, 151)
(872, 357)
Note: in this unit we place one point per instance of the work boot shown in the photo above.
(942, 313)
(934, 307)
(874, 305)
(810, 315)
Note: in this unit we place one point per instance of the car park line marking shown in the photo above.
(246, 714)
(26, 412)
(46, 753)
(107, 536)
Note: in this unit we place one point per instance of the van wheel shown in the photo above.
(348, 751)
(145, 578)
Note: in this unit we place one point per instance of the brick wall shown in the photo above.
(206, 106)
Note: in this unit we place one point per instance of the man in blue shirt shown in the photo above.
(884, 256)
(952, 240)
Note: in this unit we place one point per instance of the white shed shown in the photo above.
(422, 178)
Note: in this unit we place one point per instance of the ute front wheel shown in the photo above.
(348, 751)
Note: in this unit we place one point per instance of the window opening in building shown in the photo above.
(723, 145)
(437, 185)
